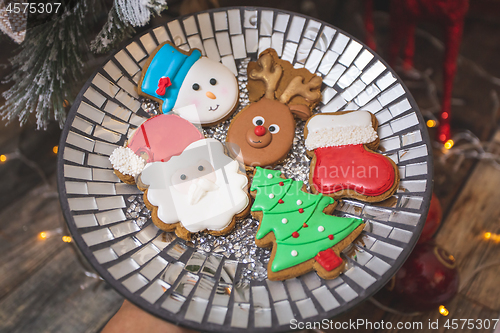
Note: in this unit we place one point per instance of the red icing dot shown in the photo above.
(259, 130)
(301, 210)
(295, 234)
(281, 183)
(280, 201)
(305, 225)
(330, 236)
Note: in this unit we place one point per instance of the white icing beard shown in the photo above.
(195, 105)
(206, 202)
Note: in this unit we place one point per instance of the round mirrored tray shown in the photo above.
(218, 284)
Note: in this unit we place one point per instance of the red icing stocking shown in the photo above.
(353, 168)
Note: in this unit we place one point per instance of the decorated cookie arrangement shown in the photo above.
(298, 227)
(344, 162)
(262, 133)
(191, 185)
(197, 88)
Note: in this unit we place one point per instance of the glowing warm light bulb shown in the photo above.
(42, 235)
(444, 311)
(431, 123)
(66, 239)
(487, 235)
(3, 158)
(448, 144)
(55, 149)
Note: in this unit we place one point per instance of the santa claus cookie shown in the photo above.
(201, 189)
(197, 88)
(299, 228)
(262, 133)
(156, 140)
(344, 162)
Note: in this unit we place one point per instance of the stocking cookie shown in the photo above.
(298, 226)
(262, 133)
(156, 140)
(201, 189)
(197, 88)
(344, 162)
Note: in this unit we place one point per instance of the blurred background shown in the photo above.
(45, 60)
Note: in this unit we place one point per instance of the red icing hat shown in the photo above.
(161, 137)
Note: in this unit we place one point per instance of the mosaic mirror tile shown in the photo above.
(219, 284)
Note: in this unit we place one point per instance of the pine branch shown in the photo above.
(123, 16)
(48, 63)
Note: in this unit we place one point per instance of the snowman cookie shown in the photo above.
(197, 88)
(344, 162)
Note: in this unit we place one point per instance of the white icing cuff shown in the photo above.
(126, 161)
(340, 136)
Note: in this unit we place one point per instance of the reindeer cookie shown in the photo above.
(345, 164)
(262, 133)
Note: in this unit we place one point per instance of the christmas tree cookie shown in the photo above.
(344, 162)
(298, 227)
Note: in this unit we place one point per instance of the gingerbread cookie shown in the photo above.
(262, 133)
(202, 189)
(197, 88)
(298, 227)
(344, 163)
(156, 140)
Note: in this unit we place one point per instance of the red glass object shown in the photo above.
(433, 220)
(405, 14)
(427, 279)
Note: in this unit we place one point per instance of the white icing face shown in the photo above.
(208, 94)
(201, 188)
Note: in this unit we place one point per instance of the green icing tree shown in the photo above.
(296, 218)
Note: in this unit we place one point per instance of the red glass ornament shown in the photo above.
(427, 279)
(433, 220)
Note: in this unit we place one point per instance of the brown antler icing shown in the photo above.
(310, 90)
(270, 73)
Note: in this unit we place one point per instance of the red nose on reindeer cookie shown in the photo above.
(344, 161)
(263, 132)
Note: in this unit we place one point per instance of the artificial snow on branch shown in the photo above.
(48, 63)
(123, 16)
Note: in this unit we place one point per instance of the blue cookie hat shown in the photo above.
(165, 74)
